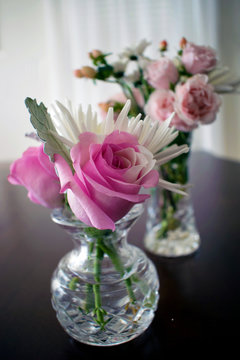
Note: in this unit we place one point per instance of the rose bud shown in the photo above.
(163, 45)
(183, 42)
(78, 73)
(95, 54)
(88, 72)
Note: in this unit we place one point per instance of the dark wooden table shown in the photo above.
(199, 308)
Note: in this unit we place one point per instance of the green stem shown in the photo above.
(98, 306)
(129, 95)
(90, 303)
(169, 194)
(144, 89)
(128, 283)
(96, 287)
(113, 255)
(93, 299)
(175, 170)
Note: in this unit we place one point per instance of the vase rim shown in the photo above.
(65, 217)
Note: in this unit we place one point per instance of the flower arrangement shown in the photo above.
(188, 85)
(95, 162)
(96, 169)
(194, 71)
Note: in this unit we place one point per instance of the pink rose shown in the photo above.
(198, 59)
(36, 173)
(109, 174)
(160, 106)
(196, 101)
(161, 73)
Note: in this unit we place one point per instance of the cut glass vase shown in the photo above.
(104, 291)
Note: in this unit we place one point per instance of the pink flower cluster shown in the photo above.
(184, 88)
(194, 102)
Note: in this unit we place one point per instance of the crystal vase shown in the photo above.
(170, 228)
(104, 291)
(170, 232)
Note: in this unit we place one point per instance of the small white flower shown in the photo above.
(70, 122)
(133, 76)
(119, 66)
(144, 62)
(134, 52)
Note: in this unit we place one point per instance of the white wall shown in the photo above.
(42, 41)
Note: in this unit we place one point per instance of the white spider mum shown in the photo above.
(70, 122)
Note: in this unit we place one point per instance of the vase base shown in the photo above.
(117, 331)
(105, 340)
(178, 243)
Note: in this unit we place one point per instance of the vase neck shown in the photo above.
(83, 234)
(83, 238)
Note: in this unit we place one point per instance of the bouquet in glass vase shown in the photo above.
(184, 88)
(91, 173)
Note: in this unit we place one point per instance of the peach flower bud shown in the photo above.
(88, 72)
(95, 53)
(163, 45)
(78, 73)
(104, 106)
(183, 42)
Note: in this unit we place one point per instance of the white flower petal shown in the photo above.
(133, 122)
(177, 188)
(60, 123)
(108, 123)
(147, 122)
(68, 118)
(121, 123)
(170, 153)
(62, 139)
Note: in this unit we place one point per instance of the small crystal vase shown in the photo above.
(170, 232)
(170, 228)
(104, 291)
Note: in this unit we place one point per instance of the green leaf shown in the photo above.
(172, 86)
(42, 122)
(180, 52)
(104, 72)
(99, 60)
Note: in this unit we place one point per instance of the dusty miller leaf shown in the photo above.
(42, 122)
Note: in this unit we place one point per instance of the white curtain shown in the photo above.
(43, 41)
